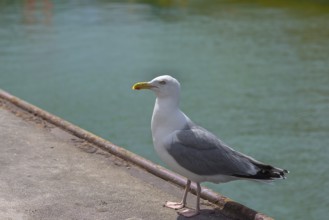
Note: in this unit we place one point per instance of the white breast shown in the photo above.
(164, 124)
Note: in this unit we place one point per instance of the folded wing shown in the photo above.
(202, 153)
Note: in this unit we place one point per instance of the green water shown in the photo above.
(256, 73)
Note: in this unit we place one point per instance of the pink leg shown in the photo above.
(179, 205)
(191, 212)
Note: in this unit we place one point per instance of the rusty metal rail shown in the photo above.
(228, 207)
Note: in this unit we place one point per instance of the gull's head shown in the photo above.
(163, 86)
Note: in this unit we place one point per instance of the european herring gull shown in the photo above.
(194, 152)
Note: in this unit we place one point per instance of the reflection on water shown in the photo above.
(34, 8)
(253, 72)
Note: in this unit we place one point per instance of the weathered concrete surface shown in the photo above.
(46, 173)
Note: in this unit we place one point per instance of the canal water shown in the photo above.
(255, 73)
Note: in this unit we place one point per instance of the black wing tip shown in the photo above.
(267, 173)
(283, 172)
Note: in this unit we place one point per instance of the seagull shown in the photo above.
(194, 152)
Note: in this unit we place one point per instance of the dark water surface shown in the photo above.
(253, 72)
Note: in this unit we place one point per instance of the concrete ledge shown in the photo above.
(226, 206)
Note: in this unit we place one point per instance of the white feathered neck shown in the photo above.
(167, 117)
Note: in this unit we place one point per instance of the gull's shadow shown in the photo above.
(206, 214)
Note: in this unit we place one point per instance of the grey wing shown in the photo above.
(202, 153)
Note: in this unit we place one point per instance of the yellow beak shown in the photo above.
(142, 85)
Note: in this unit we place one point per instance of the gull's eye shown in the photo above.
(162, 82)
